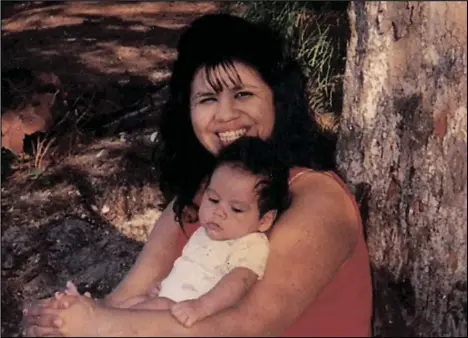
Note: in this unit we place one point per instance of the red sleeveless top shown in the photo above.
(344, 307)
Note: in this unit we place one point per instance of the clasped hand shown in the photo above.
(65, 314)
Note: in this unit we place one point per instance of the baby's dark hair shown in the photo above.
(259, 158)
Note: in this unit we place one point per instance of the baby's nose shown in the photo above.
(219, 212)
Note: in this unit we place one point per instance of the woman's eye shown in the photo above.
(213, 200)
(242, 94)
(207, 99)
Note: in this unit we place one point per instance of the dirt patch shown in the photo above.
(85, 213)
(83, 41)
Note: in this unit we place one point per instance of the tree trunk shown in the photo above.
(402, 147)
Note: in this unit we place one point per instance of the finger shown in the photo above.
(181, 317)
(186, 321)
(47, 320)
(38, 310)
(67, 300)
(189, 322)
(34, 310)
(174, 309)
(62, 302)
(46, 302)
(38, 331)
(72, 289)
(87, 294)
(58, 295)
(187, 317)
(154, 292)
(179, 313)
(45, 317)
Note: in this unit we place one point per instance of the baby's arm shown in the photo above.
(154, 303)
(228, 291)
(247, 259)
(136, 301)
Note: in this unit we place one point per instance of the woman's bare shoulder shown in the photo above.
(320, 204)
(325, 190)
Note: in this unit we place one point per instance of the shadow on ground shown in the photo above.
(38, 261)
(92, 43)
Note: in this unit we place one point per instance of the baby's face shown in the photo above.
(229, 208)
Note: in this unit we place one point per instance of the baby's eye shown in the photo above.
(237, 210)
(213, 200)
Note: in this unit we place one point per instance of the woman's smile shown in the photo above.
(227, 137)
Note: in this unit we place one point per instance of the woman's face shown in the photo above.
(243, 105)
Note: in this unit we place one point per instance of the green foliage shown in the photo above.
(317, 38)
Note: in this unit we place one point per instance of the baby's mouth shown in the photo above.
(212, 226)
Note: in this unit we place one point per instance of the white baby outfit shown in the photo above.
(205, 261)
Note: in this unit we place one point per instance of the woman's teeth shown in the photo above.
(232, 135)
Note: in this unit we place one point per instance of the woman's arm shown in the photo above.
(308, 244)
(153, 263)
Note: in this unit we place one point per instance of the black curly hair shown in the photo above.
(216, 40)
(259, 158)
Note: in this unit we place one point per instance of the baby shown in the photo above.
(246, 192)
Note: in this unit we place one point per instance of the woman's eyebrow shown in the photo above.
(238, 86)
(208, 92)
(202, 94)
(244, 86)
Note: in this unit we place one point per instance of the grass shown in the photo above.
(41, 149)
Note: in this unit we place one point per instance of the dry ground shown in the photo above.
(84, 216)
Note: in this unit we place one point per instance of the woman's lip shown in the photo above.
(249, 132)
(224, 130)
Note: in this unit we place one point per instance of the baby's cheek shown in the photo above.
(239, 218)
(246, 224)
(204, 214)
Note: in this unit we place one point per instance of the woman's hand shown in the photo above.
(37, 307)
(66, 316)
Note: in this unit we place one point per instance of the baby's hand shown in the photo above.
(188, 312)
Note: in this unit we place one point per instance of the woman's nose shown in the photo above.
(226, 110)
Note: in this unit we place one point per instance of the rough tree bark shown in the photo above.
(402, 146)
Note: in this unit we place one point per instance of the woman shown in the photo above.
(233, 78)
